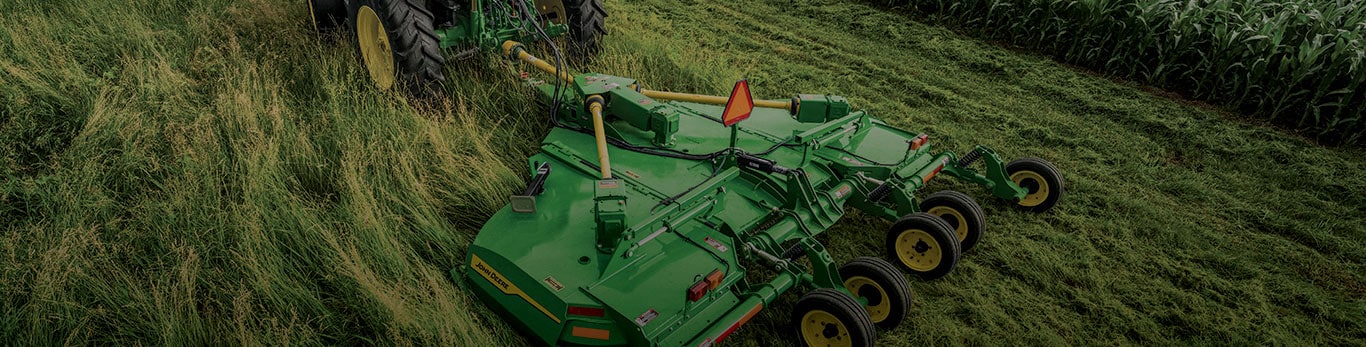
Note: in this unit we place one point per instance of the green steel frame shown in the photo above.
(489, 23)
(682, 203)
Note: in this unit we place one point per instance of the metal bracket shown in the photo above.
(996, 180)
(824, 273)
(526, 202)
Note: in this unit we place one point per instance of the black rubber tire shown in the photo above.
(845, 309)
(413, 42)
(972, 221)
(939, 231)
(889, 286)
(328, 15)
(1051, 177)
(586, 28)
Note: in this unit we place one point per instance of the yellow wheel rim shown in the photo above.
(878, 306)
(959, 221)
(374, 47)
(1038, 196)
(918, 250)
(820, 328)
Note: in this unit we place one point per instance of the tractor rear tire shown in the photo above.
(826, 317)
(398, 45)
(586, 28)
(882, 285)
(1041, 178)
(924, 245)
(328, 15)
(963, 214)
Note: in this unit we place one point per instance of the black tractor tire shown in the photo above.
(834, 317)
(328, 15)
(1041, 178)
(963, 214)
(886, 290)
(586, 28)
(409, 37)
(924, 245)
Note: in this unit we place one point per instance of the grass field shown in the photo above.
(186, 172)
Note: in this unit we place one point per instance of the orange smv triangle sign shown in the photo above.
(740, 105)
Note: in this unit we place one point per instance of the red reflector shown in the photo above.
(919, 141)
(586, 311)
(932, 173)
(740, 322)
(714, 279)
(697, 290)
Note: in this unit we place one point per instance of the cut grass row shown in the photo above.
(1298, 63)
(207, 171)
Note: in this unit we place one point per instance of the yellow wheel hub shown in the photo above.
(918, 250)
(820, 328)
(553, 10)
(374, 47)
(1039, 195)
(960, 222)
(878, 306)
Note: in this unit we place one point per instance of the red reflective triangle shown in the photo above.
(740, 105)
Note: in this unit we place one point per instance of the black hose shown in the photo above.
(559, 59)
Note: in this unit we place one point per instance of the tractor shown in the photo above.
(405, 44)
(657, 218)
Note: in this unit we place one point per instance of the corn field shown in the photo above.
(1296, 63)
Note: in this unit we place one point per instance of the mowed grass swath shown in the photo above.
(189, 172)
(1298, 63)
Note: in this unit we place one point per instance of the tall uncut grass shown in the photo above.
(189, 172)
(1295, 62)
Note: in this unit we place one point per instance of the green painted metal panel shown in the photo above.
(689, 207)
